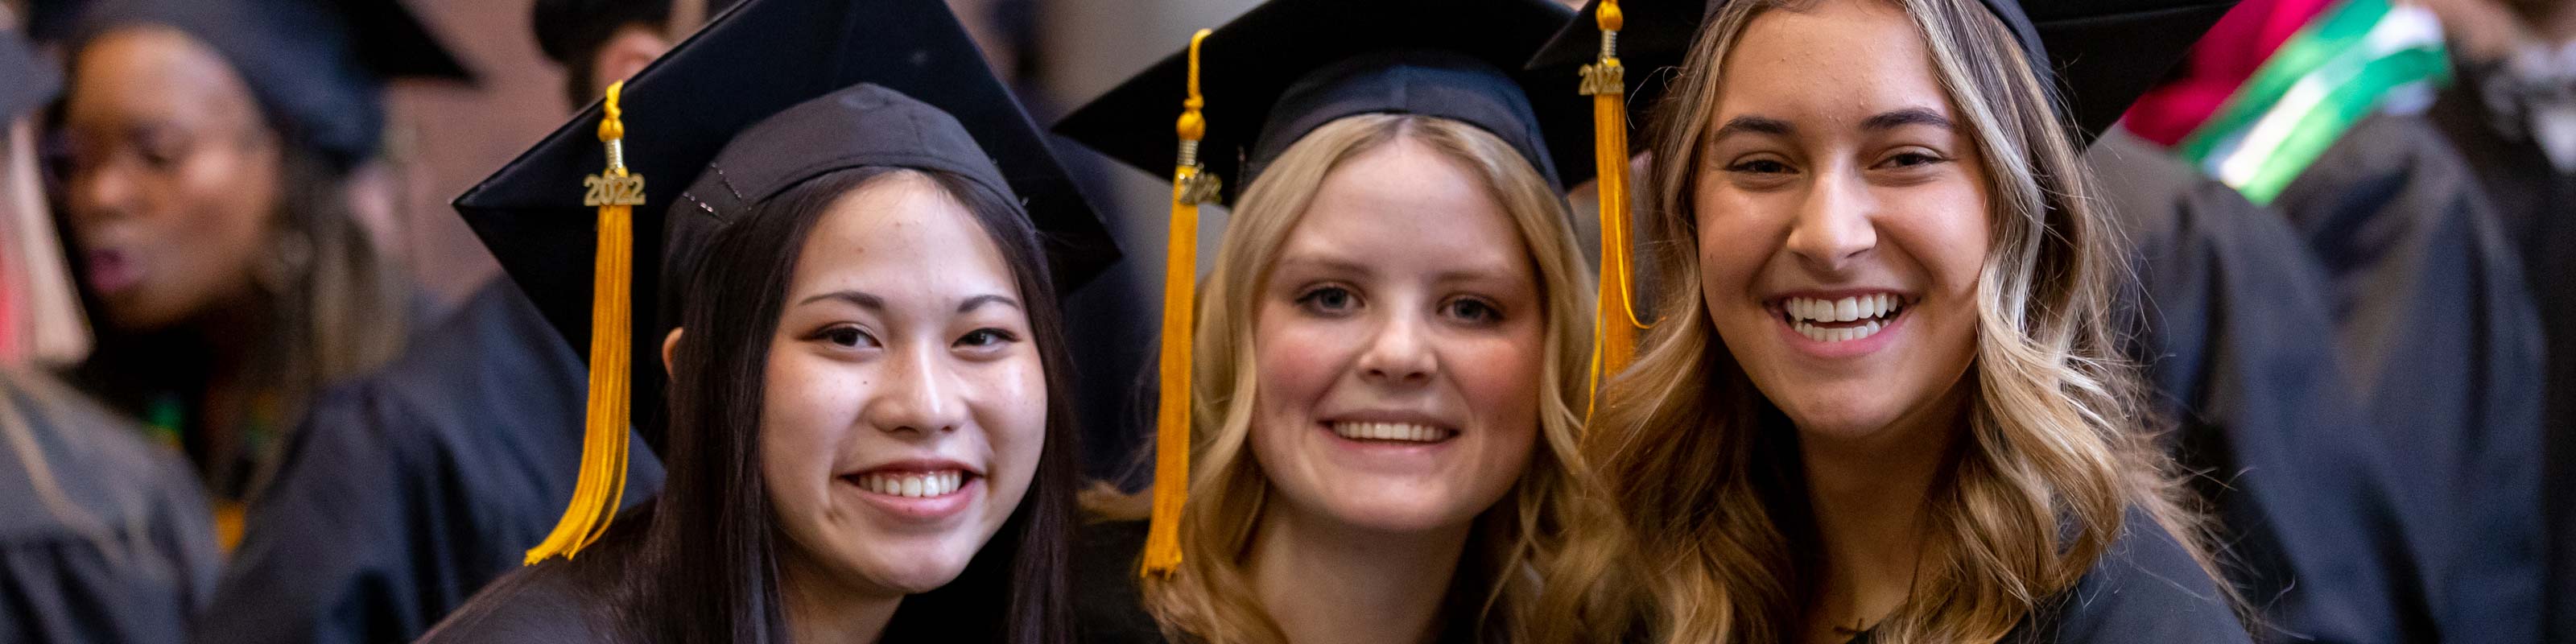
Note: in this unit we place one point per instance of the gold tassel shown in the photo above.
(602, 485)
(1190, 187)
(1614, 337)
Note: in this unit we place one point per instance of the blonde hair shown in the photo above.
(2052, 456)
(1538, 557)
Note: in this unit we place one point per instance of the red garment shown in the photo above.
(2223, 60)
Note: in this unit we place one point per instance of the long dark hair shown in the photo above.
(704, 566)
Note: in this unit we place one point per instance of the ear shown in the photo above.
(625, 53)
(670, 344)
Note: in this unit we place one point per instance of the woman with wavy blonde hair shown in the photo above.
(1390, 352)
(1883, 402)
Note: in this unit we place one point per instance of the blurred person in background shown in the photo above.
(408, 489)
(2512, 115)
(203, 153)
(103, 535)
(2428, 298)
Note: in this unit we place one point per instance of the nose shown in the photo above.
(918, 395)
(1399, 353)
(102, 192)
(1834, 222)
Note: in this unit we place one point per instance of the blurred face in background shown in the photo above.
(170, 177)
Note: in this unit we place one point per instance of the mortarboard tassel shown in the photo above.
(1190, 187)
(603, 445)
(1614, 337)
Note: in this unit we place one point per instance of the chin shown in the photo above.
(1848, 419)
(905, 568)
(1397, 509)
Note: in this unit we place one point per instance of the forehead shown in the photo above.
(1404, 204)
(1836, 61)
(901, 229)
(150, 71)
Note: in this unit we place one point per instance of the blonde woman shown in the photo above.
(1389, 352)
(1882, 404)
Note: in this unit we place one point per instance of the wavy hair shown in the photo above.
(1539, 565)
(2051, 455)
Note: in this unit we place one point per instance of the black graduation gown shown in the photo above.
(133, 553)
(2536, 202)
(1108, 604)
(406, 491)
(2443, 345)
(549, 603)
(2225, 319)
(2145, 590)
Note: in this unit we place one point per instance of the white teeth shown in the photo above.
(1407, 432)
(914, 484)
(1842, 334)
(1847, 309)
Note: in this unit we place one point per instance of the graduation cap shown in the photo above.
(770, 94)
(316, 66)
(2098, 55)
(1275, 74)
(26, 81)
(1288, 66)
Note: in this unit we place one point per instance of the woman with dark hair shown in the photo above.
(204, 152)
(869, 427)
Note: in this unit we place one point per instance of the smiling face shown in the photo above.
(170, 178)
(1843, 220)
(905, 405)
(1398, 335)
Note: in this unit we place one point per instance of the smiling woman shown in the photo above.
(1388, 365)
(1883, 404)
(869, 427)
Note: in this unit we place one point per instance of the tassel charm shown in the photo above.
(602, 484)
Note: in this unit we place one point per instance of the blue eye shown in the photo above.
(1329, 300)
(1475, 310)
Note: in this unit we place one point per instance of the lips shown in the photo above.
(917, 490)
(112, 271)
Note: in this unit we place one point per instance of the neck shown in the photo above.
(1324, 581)
(820, 608)
(1867, 495)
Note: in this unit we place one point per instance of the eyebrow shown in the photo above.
(1890, 120)
(1905, 117)
(971, 303)
(1752, 125)
(862, 299)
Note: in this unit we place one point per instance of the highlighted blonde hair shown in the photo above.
(2052, 454)
(1538, 567)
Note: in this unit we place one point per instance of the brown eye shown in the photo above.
(986, 337)
(847, 336)
(1759, 166)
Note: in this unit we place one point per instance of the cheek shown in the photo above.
(1299, 358)
(1500, 376)
(1012, 410)
(1737, 236)
(807, 411)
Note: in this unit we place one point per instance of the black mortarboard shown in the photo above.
(1288, 66)
(767, 96)
(2101, 54)
(316, 66)
(26, 81)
